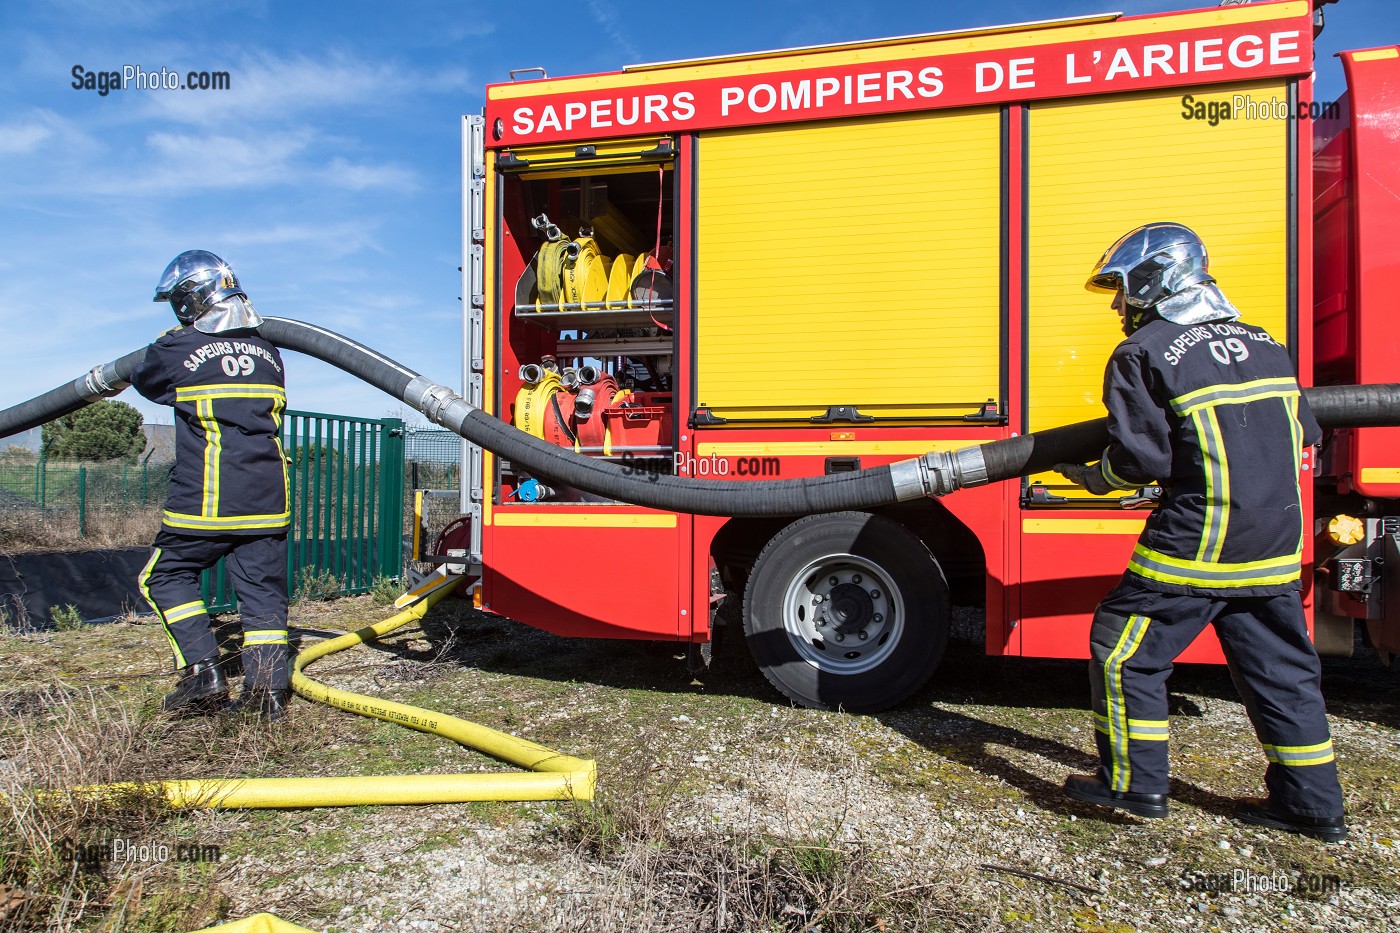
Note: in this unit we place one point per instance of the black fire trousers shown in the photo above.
(257, 565)
(1138, 633)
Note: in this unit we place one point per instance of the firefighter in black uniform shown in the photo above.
(228, 488)
(1211, 408)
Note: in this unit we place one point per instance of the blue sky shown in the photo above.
(329, 175)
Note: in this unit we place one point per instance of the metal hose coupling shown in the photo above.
(938, 473)
(101, 382)
(583, 405)
(439, 403)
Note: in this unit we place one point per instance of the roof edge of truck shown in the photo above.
(875, 43)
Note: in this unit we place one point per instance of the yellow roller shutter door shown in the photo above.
(1099, 168)
(850, 263)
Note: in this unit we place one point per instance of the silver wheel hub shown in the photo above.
(843, 614)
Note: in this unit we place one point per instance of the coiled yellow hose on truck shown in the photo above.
(585, 275)
(530, 403)
(551, 775)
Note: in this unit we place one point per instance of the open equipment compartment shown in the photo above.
(586, 334)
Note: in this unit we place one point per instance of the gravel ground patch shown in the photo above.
(721, 807)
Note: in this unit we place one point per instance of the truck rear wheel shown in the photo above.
(847, 610)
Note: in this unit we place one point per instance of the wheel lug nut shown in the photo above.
(878, 618)
(855, 578)
(834, 581)
(818, 598)
(821, 621)
(874, 594)
(863, 635)
(840, 637)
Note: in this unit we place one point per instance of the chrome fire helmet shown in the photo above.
(1162, 271)
(204, 292)
(1151, 263)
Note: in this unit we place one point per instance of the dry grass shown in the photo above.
(57, 530)
(57, 866)
(59, 740)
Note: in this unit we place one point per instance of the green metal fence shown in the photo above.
(345, 480)
(346, 490)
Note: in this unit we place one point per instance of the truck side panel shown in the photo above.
(848, 264)
(1373, 81)
(1098, 168)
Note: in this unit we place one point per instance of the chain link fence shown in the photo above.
(46, 505)
(433, 463)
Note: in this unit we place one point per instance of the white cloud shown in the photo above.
(21, 138)
(297, 175)
(42, 130)
(176, 165)
(605, 15)
(362, 176)
(334, 240)
(128, 13)
(266, 87)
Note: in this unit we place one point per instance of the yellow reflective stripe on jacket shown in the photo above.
(203, 398)
(270, 636)
(213, 447)
(229, 390)
(1234, 393)
(1113, 479)
(1154, 565)
(279, 406)
(185, 611)
(1145, 730)
(1217, 471)
(1295, 428)
(232, 522)
(143, 582)
(1128, 642)
(1295, 756)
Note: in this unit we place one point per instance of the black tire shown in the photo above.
(846, 574)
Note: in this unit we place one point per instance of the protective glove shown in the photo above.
(1089, 476)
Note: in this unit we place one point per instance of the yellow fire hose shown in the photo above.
(551, 775)
(258, 923)
(531, 400)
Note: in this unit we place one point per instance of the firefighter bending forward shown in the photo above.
(228, 489)
(1211, 408)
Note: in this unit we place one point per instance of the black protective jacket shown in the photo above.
(229, 393)
(1212, 411)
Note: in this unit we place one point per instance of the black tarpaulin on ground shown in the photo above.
(98, 584)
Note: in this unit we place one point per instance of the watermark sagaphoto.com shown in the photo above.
(1245, 881)
(97, 854)
(138, 78)
(1247, 107)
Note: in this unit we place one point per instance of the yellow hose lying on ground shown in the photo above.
(258, 923)
(551, 775)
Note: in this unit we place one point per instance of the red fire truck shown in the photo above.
(814, 260)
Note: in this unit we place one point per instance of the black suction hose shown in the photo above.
(864, 489)
(1366, 406)
(934, 473)
(102, 381)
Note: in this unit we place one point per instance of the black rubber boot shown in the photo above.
(201, 691)
(264, 703)
(1256, 810)
(1089, 789)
